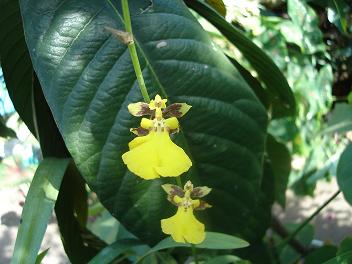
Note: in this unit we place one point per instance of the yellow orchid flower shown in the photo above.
(152, 154)
(183, 226)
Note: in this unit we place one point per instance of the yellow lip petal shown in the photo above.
(142, 157)
(184, 227)
(156, 155)
(173, 161)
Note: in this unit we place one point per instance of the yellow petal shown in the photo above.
(176, 110)
(146, 123)
(142, 157)
(157, 103)
(139, 109)
(173, 161)
(161, 102)
(172, 123)
(139, 141)
(184, 227)
(156, 155)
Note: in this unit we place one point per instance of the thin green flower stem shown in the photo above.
(133, 52)
(194, 253)
(178, 180)
(315, 213)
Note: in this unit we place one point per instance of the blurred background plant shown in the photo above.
(311, 42)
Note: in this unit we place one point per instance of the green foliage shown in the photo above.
(305, 25)
(288, 254)
(344, 253)
(340, 120)
(321, 255)
(212, 241)
(41, 256)
(6, 131)
(15, 61)
(343, 173)
(280, 160)
(278, 91)
(113, 251)
(38, 208)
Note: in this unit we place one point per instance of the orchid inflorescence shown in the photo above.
(152, 154)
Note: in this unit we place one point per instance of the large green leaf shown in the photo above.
(28, 99)
(278, 90)
(88, 81)
(343, 173)
(38, 208)
(15, 61)
(280, 160)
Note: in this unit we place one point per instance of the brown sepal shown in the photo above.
(140, 131)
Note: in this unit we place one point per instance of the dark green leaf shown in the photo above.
(38, 208)
(344, 249)
(344, 253)
(88, 80)
(278, 89)
(79, 243)
(343, 173)
(111, 252)
(15, 61)
(280, 160)
(253, 83)
(5, 131)
(321, 255)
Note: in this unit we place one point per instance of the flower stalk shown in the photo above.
(133, 51)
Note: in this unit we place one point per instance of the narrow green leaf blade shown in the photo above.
(38, 208)
(340, 6)
(278, 88)
(212, 240)
(343, 173)
(41, 256)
